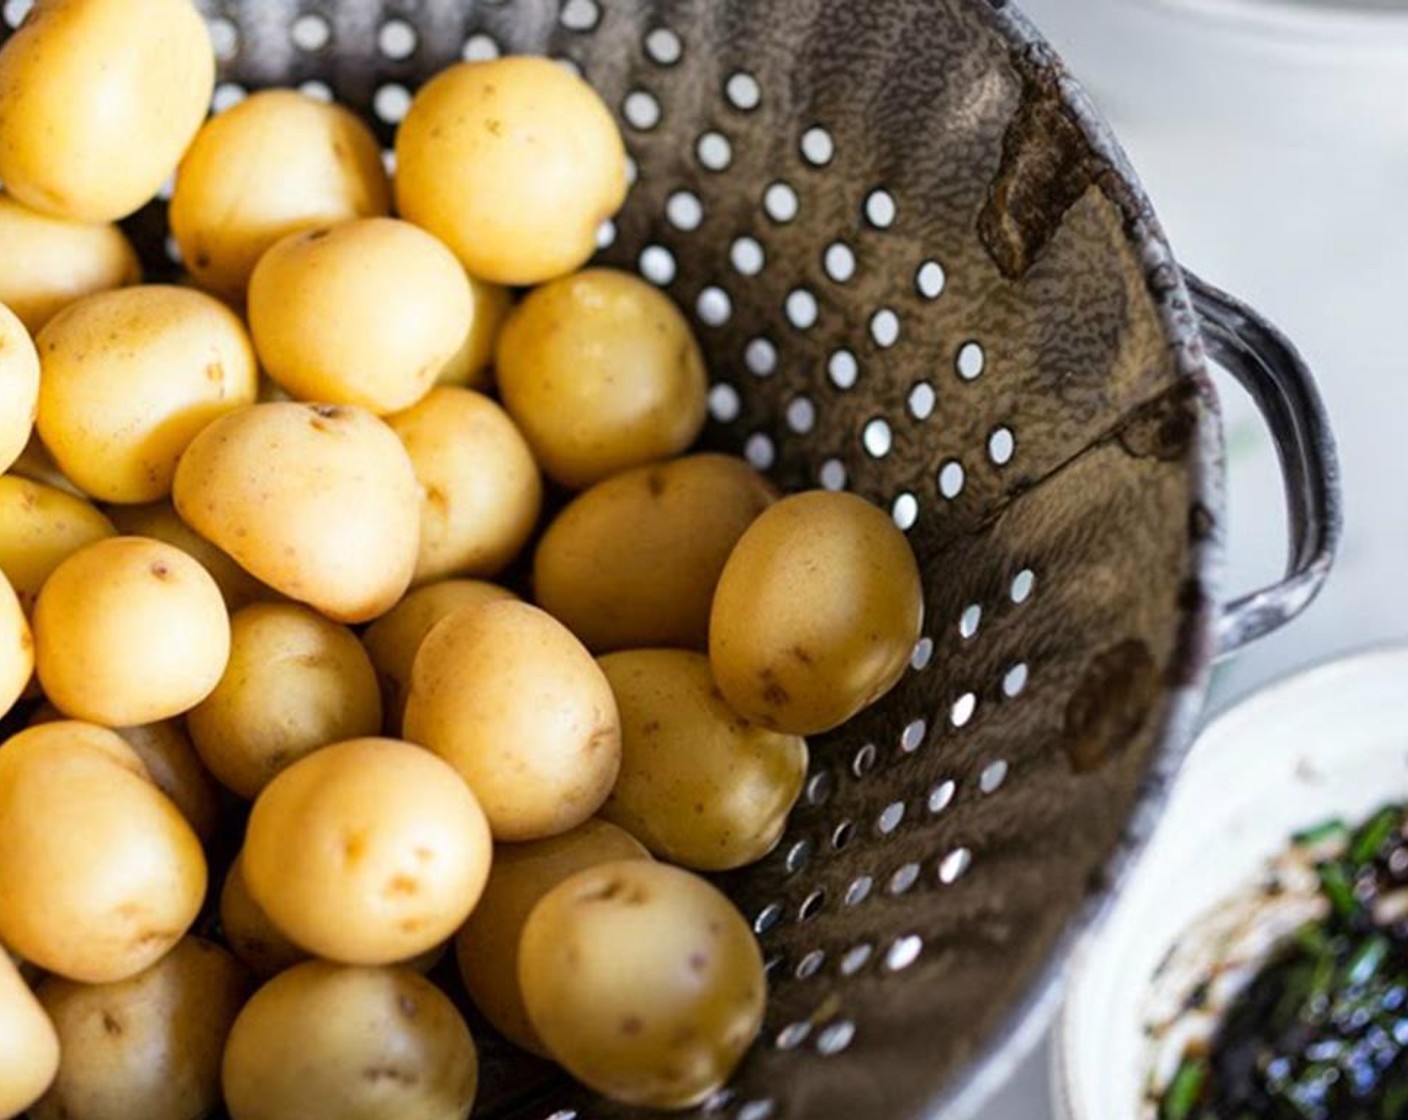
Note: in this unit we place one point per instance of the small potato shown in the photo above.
(602, 373)
(100, 873)
(394, 639)
(513, 164)
(644, 982)
(302, 163)
(816, 613)
(40, 528)
(365, 313)
(260, 945)
(487, 946)
(36, 464)
(47, 263)
(469, 368)
(295, 682)
(148, 1046)
(634, 561)
(19, 387)
(326, 1042)
(700, 786)
(482, 491)
(16, 648)
(129, 631)
(367, 852)
(30, 1057)
(515, 703)
(130, 377)
(319, 502)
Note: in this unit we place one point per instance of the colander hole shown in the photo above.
(714, 306)
(885, 328)
(225, 38)
(811, 906)
(747, 256)
(810, 965)
(970, 361)
(992, 777)
(564, 1114)
(969, 621)
(842, 834)
(773, 965)
(641, 110)
(1001, 445)
(1014, 680)
(167, 189)
(767, 918)
(817, 146)
(922, 399)
(963, 709)
(759, 450)
(833, 475)
(480, 47)
(657, 264)
(855, 959)
(173, 250)
(318, 91)
(684, 210)
(396, 39)
(580, 15)
(227, 95)
(922, 655)
(793, 1035)
(632, 171)
(941, 796)
(905, 511)
(880, 209)
(953, 865)
(570, 65)
(835, 1038)
(903, 952)
(663, 46)
(742, 91)
(843, 369)
(760, 356)
(718, 1101)
(912, 737)
(1023, 583)
(951, 479)
(858, 890)
(801, 309)
(606, 234)
(724, 403)
(930, 279)
(876, 438)
(714, 151)
(890, 818)
(839, 261)
(798, 856)
(780, 202)
(310, 32)
(388, 161)
(16, 11)
(757, 1110)
(801, 415)
(864, 761)
(819, 788)
(904, 877)
(391, 102)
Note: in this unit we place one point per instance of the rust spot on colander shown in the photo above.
(1108, 707)
(1163, 428)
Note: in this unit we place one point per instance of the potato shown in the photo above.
(633, 561)
(365, 313)
(130, 377)
(469, 367)
(514, 702)
(16, 648)
(161, 522)
(602, 373)
(100, 873)
(302, 163)
(816, 613)
(513, 164)
(148, 1046)
(260, 945)
(327, 1042)
(40, 528)
(644, 982)
(129, 631)
(700, 785)
(19, 387)
(47, 263)
(30, 1057)
(367, 852)
(36, 464)
(98, 99)
(318, 501)
(487, 946)
(394, 639)
(482, 492)
(295, 682)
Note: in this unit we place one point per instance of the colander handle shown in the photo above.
(1273, 372)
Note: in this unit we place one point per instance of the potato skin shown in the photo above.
(130, 377)
(260, 945)
(367, 852)
(147, 1046)
(129, 631)
(602, 373)
(41, 527)
(294, 682)
(318, 501)
(469, 368)
(101, 873)
(19, 387)
(16, 648)
(513, 164)
(303, 163)
(700, 785)
(816, 613)
(633, 562)
(666, 1031)
(329, 1042)
(30, 1057)
(98, 99)
(507, 696)
(487, 947)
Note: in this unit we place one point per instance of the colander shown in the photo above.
(922, 271)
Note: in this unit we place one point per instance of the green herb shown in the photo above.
(1372, 836)
(1318, 834)
(1336, 883)
(1364, 965)
(1185, 1091)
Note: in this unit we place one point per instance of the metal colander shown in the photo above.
(922, 271)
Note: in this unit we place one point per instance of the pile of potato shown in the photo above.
(259, 683)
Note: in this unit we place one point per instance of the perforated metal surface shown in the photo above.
(921, 272)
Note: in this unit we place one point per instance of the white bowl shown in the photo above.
(1331, 742)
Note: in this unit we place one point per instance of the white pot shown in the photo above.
(1331, 742)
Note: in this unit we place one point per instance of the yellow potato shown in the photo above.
(148, 1046)
(129, 631)
(469, 367)
(513, 164)
(19, 387)
(40, 527)
(482, 491)
(515, 703)
(260, 945)
(100, 873)
(367, 852)
(295, 682)
(318, 501)
(30, 1057)
(602, 373)
(98, 99)
(633, 562)
(644, 982)
(816, 613)
(16, 648)
(394, 639)
(301, 163)
(487, 946)
(327, 1042)
(130, 377)
(700, 785)
(365, 313)
(36, 464)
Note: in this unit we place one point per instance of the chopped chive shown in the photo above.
(1318, 834)
(1335, 882)
(1185, 1091)
(1311, 938)
(1371, 837)
(1367, 960)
